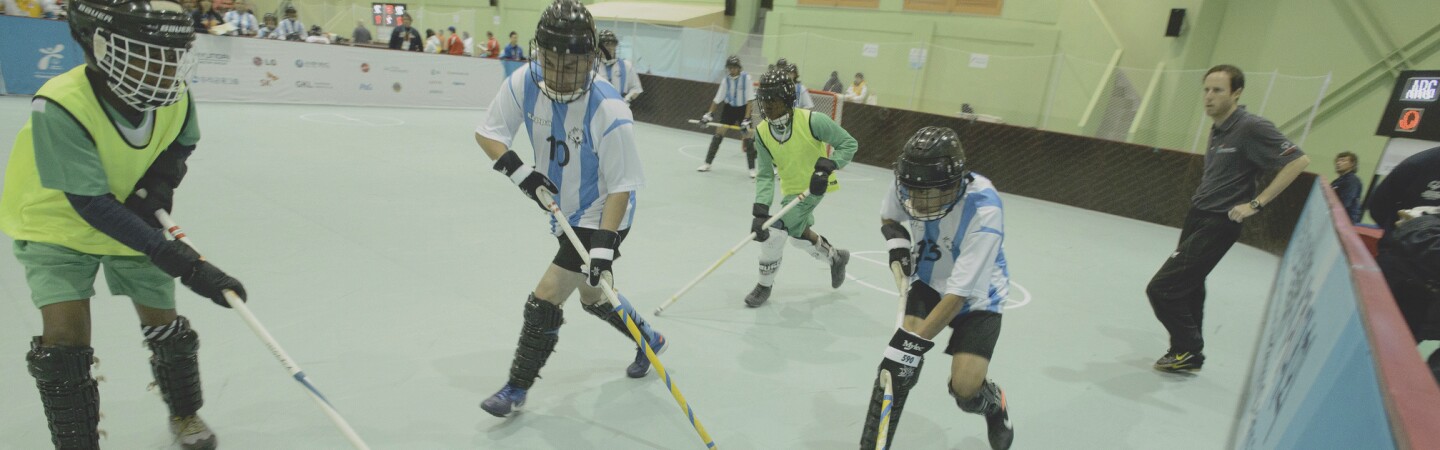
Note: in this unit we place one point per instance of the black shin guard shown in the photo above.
(714, 148)
(602, 310)
(749, 145)
(71, 399)
(537, 341)
(985, 402)
(900, 387)
(176, 368)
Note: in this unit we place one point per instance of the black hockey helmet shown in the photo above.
(608, 37)
(564, 46)
(930, 175)
(777, 96)
(733, 61)
(141, 46)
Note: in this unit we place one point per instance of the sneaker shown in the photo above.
(1176, 362)
(1001, 433)
(837, 268)
(192, 433)
(641, 366)
(509, 398)
(752, 174)
(703, 168)
(758, 296)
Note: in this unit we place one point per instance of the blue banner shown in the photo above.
(1313, 383)
(34, 51)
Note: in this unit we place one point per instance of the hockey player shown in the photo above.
(97, 134)
(793, 140)
(619, 72)
(958, 278)
(734, 100)
(802, 95)
(583, 137)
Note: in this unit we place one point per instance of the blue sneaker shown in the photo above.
(641, 366)
(502, 403)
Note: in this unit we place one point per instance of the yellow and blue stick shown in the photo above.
(888, 402)
(635, 334)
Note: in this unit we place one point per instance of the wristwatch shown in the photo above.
(1255, 205)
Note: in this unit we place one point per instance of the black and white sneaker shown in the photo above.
(758, 296)
(837, 267)
(1178, 362)
(998, 422)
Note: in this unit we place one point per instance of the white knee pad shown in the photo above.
(821, 252)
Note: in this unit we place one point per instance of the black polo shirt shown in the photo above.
(1413, 182)
(1242, 148)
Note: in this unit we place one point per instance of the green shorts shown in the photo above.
(799, 219)
(58, 274)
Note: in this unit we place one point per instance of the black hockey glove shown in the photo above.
(179, 260)
(159, 183)
(602, 255)
(529, 181)
(761, 212)
(897, 238)
(903, 358)
(820, 180)
(145, 207)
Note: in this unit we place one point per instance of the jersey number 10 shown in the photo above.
(559, 151)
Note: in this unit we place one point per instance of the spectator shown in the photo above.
(242, 19)
(432, 42)
(1410, 260)
(1414, 182)
(492, 46)
(361, 34)
(1347, 185)
(268, 27)
(317, 36)
(31, 8)
(405, 37)
(290, 28)
(858, 91)
(453, 44)
(833, 85)
(512, 50)
(469, 43)
(206, 17)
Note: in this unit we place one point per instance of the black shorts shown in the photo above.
(569, 260)
(973, 332)
(732, 115)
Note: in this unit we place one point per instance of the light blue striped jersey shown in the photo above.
(736, 90)
(586, 147)
(962, 253)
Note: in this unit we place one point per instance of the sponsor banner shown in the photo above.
(1313, 382)
(267, 71)
(34, 50)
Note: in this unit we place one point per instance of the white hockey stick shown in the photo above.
(716, 125)
(239, 306)
(731, 252)
(614, 301)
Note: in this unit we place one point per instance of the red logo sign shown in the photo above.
(365, 67)
(1409, 120)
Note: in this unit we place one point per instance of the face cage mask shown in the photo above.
(161, 70)
(781, 123)
(559, 83)
(608, 57)
(927, 204)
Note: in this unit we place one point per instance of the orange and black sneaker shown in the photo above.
(1176, 362)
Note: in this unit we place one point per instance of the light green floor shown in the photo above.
(389, 259)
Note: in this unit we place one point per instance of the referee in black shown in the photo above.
(1242, 148)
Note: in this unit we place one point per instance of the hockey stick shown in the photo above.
(716, 125)
(614, 301)
(731, 252)
(888, 402)
(239, 306)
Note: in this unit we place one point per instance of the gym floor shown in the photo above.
(391, 262)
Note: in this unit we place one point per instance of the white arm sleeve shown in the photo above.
(505, 114)
(975, 266)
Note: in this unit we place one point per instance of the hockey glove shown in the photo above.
(707, 118)
(761, 212)
(898, 239)
(903, 358)
(146, 206)
(602, 255)
(529, 181)
(745, 124)
(820, 180)
(179, 260)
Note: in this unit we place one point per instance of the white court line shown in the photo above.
(327, 118)
(683, 151)
(1010, 303)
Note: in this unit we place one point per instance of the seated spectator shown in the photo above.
(833, 85)
(317, 36)
(361, 35)
(858, 91)
(453, 44)
(32, 8)
(405, 37)
(492, 46)
(268, 28)
(1347, 185)
(207, 17)
(290, 28)
(242, 19)
(469, 43)
(512, 50)
(432, 42)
